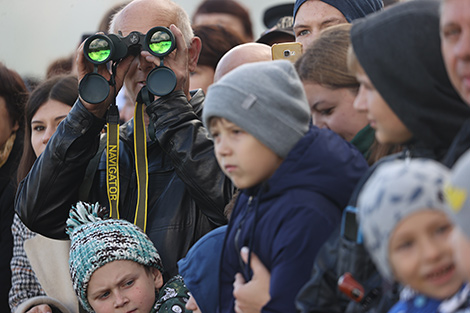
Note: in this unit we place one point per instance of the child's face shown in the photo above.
(461, 246)
(241, 156)
(421, 256)
(123, 286)
(388, 127)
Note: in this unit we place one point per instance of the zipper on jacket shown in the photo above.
(237, 240)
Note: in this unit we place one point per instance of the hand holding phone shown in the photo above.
(286, 51)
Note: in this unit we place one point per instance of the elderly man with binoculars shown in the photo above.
(169, 182)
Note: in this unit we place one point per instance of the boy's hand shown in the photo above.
(250, 297)
(42, 308)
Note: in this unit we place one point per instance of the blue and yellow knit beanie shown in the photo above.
(96, 241)
(396, 190)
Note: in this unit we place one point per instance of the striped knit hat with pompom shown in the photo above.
(96, 241)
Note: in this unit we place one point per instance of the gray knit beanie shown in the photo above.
(96, 241)
(394, 191)
(266, 99)
(457, 191)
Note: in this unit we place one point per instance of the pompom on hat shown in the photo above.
(96, 241)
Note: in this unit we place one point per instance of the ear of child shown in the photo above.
(157, 278)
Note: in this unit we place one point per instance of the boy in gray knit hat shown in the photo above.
(115, 267)
(457, 192)
(294, 179)
(404, 223)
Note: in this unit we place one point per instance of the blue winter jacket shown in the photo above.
(286, 219)
(412, 301)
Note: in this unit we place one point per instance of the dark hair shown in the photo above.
(60, 66)
(379, 150)
(230, 7)
(13, 90)
(216, 41)
(61, 88)
(325, 61)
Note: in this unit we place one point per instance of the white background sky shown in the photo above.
(33, 33)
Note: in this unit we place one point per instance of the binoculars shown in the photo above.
(100, 49)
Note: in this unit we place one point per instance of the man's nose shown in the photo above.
(462, 48)
(144, 65)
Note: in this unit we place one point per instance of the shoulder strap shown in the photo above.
(85, 187)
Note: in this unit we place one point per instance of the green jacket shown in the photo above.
(172, 297)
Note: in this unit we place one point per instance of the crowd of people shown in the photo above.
(334, 183)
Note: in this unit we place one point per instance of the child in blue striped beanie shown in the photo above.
(114, 266)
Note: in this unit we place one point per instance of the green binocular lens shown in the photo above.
(160, 42)
(99, 50)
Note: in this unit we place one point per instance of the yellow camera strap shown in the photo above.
(112, 161)
(141, 162)
(141, 166)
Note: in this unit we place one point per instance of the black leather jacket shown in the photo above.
(187, 189)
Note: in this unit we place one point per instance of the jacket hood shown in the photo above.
(200, 269)
(399, 49)
(321, 162)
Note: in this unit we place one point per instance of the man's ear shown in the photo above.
(157, 277)
(193, 53)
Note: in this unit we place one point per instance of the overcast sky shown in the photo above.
(34, 33)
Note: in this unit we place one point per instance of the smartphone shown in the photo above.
(350, 229)
(286, 51)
